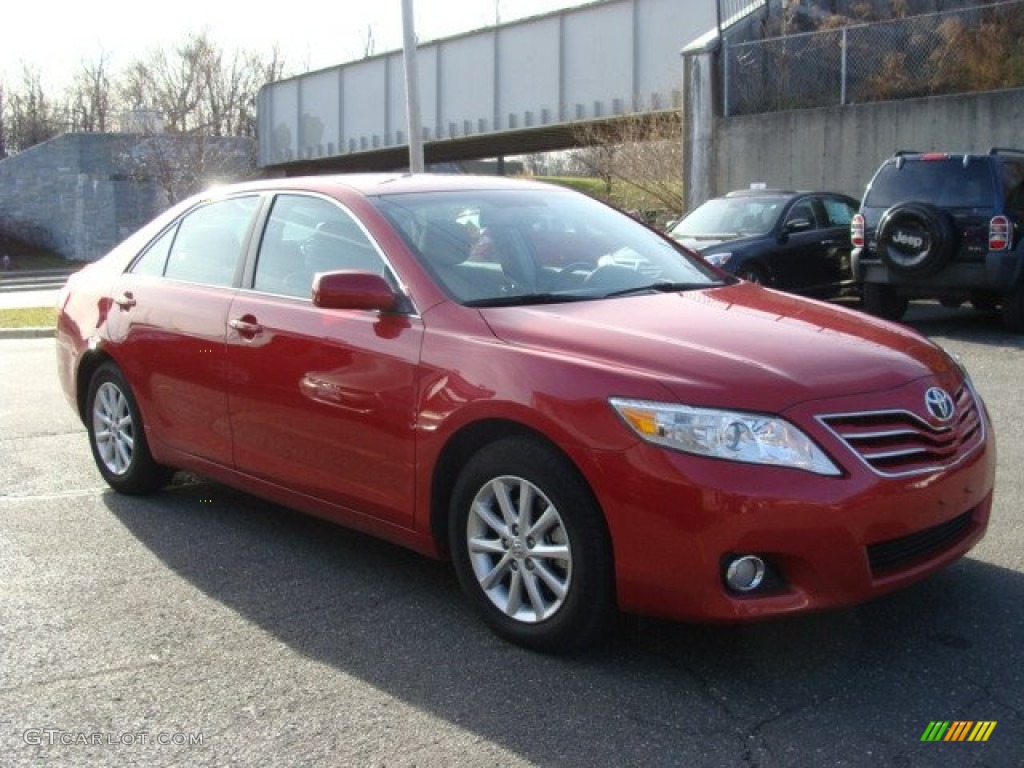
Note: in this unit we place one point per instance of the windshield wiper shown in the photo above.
(663, 287)
(527, 299)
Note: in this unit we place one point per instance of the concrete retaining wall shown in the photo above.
(73, 194)
(840, 148)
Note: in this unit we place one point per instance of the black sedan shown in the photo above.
(793, 241)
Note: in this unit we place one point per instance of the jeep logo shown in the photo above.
(902, 238)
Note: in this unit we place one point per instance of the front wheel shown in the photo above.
(530, 546)
(117, 437)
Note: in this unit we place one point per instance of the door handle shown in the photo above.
(126, 300)
(246, 326)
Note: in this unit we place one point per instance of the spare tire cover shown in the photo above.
(915, 238)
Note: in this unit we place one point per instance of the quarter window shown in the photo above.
(153, 261)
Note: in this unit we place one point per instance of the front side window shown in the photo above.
(803, 214)
(305, 235)
(207, 247)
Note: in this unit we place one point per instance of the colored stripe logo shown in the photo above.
(958, 730)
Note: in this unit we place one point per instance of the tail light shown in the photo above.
(999, 234)
(857, 231)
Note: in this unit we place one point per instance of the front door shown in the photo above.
(322, 401)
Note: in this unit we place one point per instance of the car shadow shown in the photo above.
(851, 687)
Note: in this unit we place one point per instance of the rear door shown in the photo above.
(168, 325)
(322, 401)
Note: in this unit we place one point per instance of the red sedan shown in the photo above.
(630, 429)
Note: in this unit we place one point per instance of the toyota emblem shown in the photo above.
(939, 404)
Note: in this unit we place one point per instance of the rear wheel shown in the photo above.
(117, 437)
(881, 300)
(530, 546)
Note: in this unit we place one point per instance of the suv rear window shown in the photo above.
(946, 183)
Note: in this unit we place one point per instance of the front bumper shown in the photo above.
(675, 518)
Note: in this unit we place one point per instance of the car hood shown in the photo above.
(738, 346)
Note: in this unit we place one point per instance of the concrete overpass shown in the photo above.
(515, 88)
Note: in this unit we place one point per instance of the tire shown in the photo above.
(985, 302)
(881, 300)
(915, 239)
(117, 436)
(1013, 310)
(530, 547)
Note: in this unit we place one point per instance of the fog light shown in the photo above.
(745, 574)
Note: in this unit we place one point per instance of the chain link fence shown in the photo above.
(954, 52)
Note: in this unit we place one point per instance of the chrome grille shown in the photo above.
(895, 443)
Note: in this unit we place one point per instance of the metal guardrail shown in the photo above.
(950, 52)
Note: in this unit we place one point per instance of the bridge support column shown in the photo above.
(699, 112)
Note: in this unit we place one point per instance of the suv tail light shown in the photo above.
(857, 231)
(999, 234)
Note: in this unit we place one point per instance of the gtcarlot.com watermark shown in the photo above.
(50, 737)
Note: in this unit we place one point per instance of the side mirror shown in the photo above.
(797, 225)
(353, 290)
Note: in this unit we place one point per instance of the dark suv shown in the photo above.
(943, 226)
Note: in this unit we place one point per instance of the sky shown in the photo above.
(56, 36)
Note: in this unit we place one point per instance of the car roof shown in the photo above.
(371, 184)
(765, 193)
(784, 193)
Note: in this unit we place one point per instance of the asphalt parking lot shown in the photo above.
(204, 627)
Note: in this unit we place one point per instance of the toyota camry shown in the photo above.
(577, 412)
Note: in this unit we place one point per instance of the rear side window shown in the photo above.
(946, 183)
(839, 212)
(207, 246)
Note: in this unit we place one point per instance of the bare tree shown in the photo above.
(644, 152)
(32, 117)
(198, 87)
(181, 165)
(90, 102)
(3, 123)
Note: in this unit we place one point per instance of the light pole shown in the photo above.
(412, 89)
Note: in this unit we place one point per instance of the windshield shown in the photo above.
(730, 217)
(497, 247)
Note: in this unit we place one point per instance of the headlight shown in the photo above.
(718, 259)
(752, 438)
